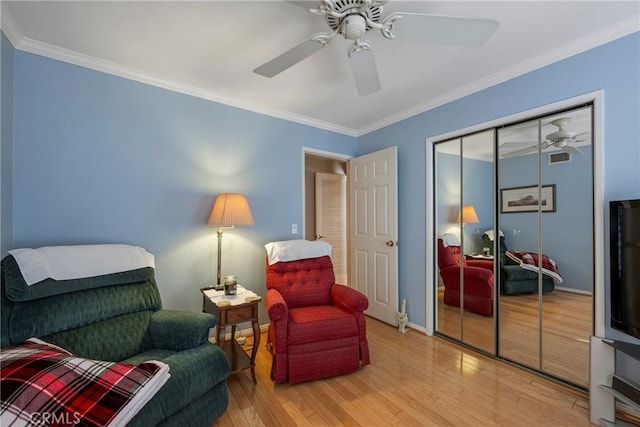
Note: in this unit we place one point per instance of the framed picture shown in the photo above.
(525, 199)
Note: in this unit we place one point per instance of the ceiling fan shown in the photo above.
(563, 139)
(354, 18)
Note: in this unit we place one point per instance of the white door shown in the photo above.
(331, 219)
(373, 189)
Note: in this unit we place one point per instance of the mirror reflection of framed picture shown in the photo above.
(525, 199)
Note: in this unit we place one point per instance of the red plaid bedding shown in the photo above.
(530, 261)
(41, 384)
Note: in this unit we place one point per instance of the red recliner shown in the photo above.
(477, 276)
(317, 327)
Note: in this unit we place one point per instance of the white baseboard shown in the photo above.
(247, 332)
(574, 291)
(417, 327)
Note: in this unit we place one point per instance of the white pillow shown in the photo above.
(489, 234)
(449, 239)
(291, 250)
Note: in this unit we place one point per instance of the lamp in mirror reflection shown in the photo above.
(467, 215)
(229, 210)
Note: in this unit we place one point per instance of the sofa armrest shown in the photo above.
(180, 330)
(348, 298)
(276, 305)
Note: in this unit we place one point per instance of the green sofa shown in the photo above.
(119, 317)
(513, 278)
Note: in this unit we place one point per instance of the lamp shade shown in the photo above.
(468, 215)
(230, 209)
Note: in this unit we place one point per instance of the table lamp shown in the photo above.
(467, 215)
(229, 210)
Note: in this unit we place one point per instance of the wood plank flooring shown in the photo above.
(566, 329)
(413, 380)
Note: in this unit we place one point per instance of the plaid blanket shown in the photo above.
(41, 384)
(531, 261)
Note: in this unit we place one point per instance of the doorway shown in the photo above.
(326, 207)
(371, 230)
(531, 185)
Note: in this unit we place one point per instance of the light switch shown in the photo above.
(294, 228)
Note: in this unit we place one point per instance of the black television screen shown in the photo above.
(625, 266)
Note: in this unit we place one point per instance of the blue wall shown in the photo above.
(567, 235)
(613, 67)
(478, 192)
(6, 145)
(101, 159)
(97, 158)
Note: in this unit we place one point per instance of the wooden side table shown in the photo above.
(232, 315)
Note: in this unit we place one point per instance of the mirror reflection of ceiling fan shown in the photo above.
(352, 19)
(562, 139)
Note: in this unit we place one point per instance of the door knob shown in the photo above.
(391, 243)
(318, 237)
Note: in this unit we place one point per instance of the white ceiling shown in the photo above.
(209, 49)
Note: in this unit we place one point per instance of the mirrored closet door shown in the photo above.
(464, 177)
(546, 216)
(518, 202)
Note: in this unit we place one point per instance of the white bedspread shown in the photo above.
(291, 250)
(76, 262)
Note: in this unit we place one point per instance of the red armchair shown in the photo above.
(317, 327)
(478, 280)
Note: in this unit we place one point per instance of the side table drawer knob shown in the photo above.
(238, 315)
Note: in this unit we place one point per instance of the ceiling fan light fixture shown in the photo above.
(354, 26)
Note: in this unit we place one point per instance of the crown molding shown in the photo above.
(613, 32)
(72, 57)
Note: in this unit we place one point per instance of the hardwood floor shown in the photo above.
(413, 380)
(566, 330)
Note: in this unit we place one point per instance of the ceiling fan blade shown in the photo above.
(517, 143)
(290, 57)
(305, 4)
(571, 149)
(520, 152)
(365, 72)
(449, 30)
(581, 137)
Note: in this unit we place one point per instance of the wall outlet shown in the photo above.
(294, 228)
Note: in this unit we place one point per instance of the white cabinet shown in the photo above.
(602, 394)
